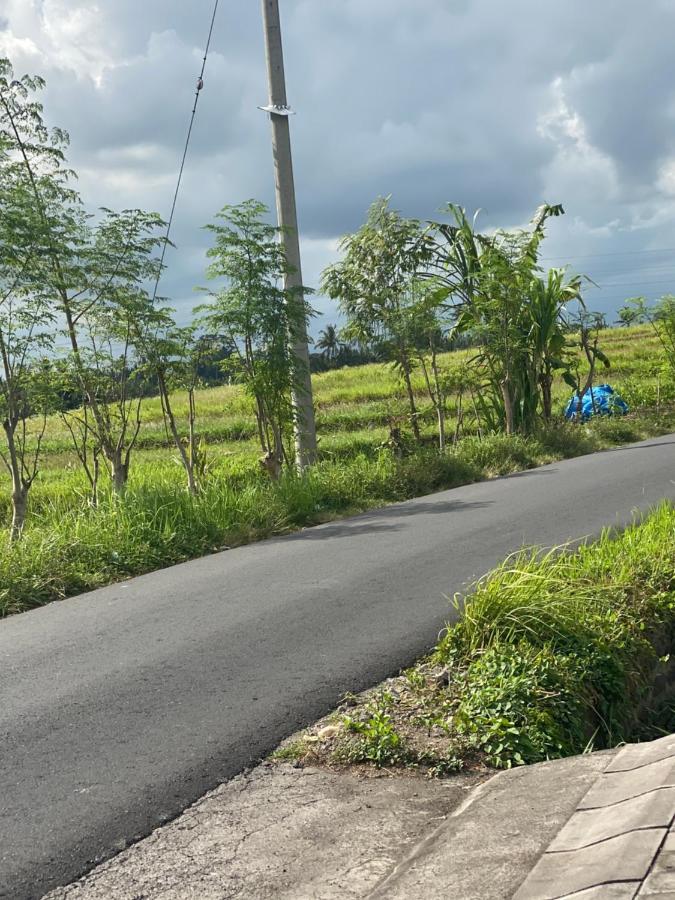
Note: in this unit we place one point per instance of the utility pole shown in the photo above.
(301, 396)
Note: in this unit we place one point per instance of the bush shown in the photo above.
(560, 651)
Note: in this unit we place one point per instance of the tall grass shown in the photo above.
(68, 547)
(560, 652)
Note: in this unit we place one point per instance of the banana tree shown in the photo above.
(547, 303)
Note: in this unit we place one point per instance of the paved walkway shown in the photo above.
(594, 827)
(620, 841)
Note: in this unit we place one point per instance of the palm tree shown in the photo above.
(329, 343)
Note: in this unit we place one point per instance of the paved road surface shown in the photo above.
(120, 707)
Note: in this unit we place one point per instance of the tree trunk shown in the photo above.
(20, 487)
(19, 507)
(546, 381)
(440, 413)
(119, 472)
(508, 405)
(186, 456)
(278, 448)
(479, 430)
(260, 421)
(460, 417)
(405, 365)
(440, 401)
(658, 395)
(93, 502)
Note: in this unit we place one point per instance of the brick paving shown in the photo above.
(620, 841)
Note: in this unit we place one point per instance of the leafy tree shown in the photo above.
(174, 357)
(25, 397)
(493, 286)
(26, 321)
(253, 315)
(430, 340)
(545, 314)
(661, 317)
(93, 277)
(107, 319)
(374, 284)
(634, 312)
(77, 419)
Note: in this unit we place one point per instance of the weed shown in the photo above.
(377, 740)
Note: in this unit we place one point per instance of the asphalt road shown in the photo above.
(122, 706)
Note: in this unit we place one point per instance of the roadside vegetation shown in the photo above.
(130, 443)
(554, 655)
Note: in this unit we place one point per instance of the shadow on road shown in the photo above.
(642, 447)
(537, 470)
(371, 522)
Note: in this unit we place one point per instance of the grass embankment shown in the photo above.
(68, 547)
(554, 655)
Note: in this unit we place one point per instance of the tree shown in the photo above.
(545, 315)
(76, 417)
(588, 326)
(174, 358)
(26, 322)
(108, 317)
(329, 343)
(93, 277)
(493, 287)
(429, 335)
(25, 398)
(253, 315)
(661, 317)
(634, 312)
(374, 285)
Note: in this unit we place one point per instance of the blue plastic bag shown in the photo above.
(604, 402)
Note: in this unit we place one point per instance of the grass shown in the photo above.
(554, 655)
(68, 547)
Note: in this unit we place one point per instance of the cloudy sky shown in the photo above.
(482, 102)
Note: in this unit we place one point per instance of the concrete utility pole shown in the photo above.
(303, 406)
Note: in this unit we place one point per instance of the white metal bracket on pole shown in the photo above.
(276, 109)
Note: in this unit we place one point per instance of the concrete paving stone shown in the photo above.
(624, 858)
(624, 890)
(661, 879)
(657, 895)
(588, 826)
(633, 756)
(615, 787)
(485, 851)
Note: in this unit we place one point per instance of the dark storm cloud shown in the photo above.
(488, 104)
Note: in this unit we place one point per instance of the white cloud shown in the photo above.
(578, 167)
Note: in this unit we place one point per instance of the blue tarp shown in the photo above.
(605, 400)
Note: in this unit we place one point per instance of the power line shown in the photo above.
(614, 253)
(200, 85)
(604, 277)
(621, 284)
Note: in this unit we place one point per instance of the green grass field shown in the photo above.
(68, 547)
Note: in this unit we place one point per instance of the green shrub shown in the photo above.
(558, 651)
